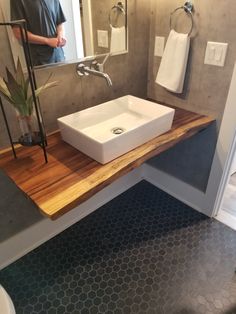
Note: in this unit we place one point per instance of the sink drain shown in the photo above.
(118, 130)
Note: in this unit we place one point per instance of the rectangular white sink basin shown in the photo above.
(113, 128)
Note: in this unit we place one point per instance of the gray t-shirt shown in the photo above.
(43, 17)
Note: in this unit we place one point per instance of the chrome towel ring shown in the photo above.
(188, 8)
(120, 9)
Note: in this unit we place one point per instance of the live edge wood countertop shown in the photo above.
(71, 177)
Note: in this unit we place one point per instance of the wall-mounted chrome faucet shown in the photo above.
(96, 69)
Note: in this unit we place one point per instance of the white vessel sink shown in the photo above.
(111, 129)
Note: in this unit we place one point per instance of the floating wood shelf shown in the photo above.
(71, 177)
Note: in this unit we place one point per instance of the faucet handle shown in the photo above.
(105, 59)
(81, 70)
(100, 66)
(95, 65)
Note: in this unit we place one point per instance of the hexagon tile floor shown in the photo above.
(143, 252)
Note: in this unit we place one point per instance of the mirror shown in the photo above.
(92, 27)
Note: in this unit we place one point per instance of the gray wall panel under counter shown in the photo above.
(190, 160)
(17, 212)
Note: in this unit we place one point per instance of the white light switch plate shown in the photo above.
(159, 46)
(102, 38)
(215, 53)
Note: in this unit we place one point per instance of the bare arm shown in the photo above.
(36, 39)
(61, 35)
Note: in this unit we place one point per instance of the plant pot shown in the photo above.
(30, 134)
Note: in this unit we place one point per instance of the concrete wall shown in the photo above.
(100, 14)
(5, 60)
(101, 22)
(206, 86)
(128, 73)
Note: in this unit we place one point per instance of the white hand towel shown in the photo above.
(118, 39)
(173, 65)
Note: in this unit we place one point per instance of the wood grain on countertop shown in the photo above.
(71, 177)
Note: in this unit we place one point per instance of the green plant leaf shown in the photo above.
(16, 91)
(4, 91)
(39, 90)
(30, 103)
(21, 79)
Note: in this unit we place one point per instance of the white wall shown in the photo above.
(223, 155)
(233, 167)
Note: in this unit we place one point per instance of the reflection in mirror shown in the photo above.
(45, 28)
(73, 28)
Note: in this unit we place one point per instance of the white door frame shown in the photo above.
(225, 178)
(77, 29)
(226, 142)
(88, 27)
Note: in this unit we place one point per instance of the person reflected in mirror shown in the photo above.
(45, 27)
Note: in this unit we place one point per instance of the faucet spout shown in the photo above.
(99, 74)
(85, 70)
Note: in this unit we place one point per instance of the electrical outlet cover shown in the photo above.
(216, 53)
(102, 38)
(159, 46)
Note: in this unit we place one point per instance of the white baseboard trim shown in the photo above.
(32, 237)
(176, 188)
(227, 219)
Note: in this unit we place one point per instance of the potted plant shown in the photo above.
(16, 90)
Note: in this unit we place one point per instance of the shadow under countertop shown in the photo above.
(17, 211)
